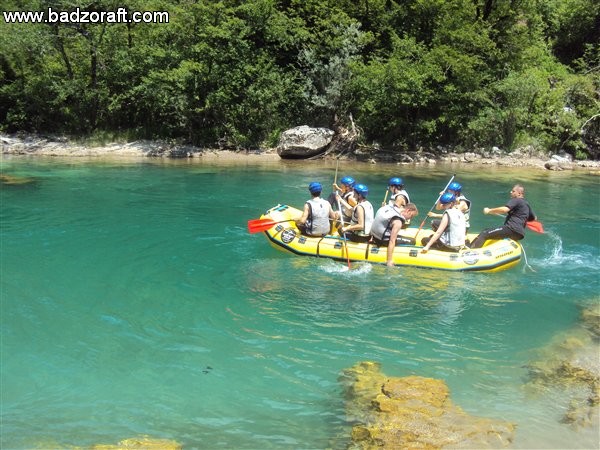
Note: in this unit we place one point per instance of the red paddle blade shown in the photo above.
(259, 225)
(536, 226)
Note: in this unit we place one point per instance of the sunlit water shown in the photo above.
(135, 302)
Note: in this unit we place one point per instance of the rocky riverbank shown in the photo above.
(32, 145)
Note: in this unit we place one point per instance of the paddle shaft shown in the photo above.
(343, 234)
(437, 200)
(385, 197)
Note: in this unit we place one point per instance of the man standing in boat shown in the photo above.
(518, 213)
(388, 222)
(317, 212)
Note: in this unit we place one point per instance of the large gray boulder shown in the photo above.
(559, 162)
(303, 142)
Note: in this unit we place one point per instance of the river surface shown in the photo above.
(134, 302)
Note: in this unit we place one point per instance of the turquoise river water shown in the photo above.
(134, 302)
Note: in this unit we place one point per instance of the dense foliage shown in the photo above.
(412, 73)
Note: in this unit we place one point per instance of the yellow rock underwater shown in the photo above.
(413, 412)
(142, 443)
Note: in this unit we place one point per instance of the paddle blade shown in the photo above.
(536, 226)
(259, 225)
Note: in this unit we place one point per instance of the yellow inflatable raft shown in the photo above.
(279, 227)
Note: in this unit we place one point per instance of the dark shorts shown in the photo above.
(495, 233)
(438, 245)
(357, 238)
(302, 229)
(400, 240)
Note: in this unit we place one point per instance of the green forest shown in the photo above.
(410, 74)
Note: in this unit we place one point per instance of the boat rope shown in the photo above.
(526, 262)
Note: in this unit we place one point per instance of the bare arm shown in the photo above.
(302, 220)
(332, 213)
(438, 233)
(352, 201)
(348, 204)
(360, 219)
(497, 210)
(396, 227)
(400, 201)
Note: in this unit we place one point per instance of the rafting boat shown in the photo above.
(281, 230)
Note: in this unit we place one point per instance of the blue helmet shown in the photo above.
(362, 189)
(348, 181)
(395, 181)
(454, 186)
(315, 187)
(447, 198)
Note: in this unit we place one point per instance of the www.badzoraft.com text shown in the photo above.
(51, 16)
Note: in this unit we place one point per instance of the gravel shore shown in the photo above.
(62, 147)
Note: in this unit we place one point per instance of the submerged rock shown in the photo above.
(572, 363)
(413, 412)
(143, 443)
(13, 180)
(590, 319)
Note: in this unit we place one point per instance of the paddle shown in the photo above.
(344, 234)
(337, 163)
(258, 225)
(385, 198)
(533, 225)
(536, 226)
(437, 200)
(332, 197)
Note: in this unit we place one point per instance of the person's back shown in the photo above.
(518, 215)
(317, 212)
(318, 221)
(451, 233)
(384, 223)
(456, 232)
(381, 222)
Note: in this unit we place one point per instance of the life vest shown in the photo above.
(467, 213)
(396, 195)
(455, 233)
(381, 223)
(369, 216)
(317, 223)
(347, 212)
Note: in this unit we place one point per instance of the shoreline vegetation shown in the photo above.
(49, 146)
(412, 75)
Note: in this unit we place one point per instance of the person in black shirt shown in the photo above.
(518, 213)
